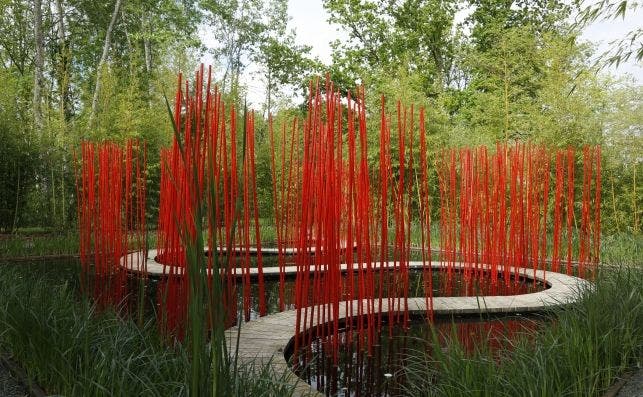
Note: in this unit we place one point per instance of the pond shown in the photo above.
(398, 351)
(357, 370)
(444, 285)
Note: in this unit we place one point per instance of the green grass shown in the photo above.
(71, 349)
(23, 245)
(582, 353)
(622, 249)
(26, 245)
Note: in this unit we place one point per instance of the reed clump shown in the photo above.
(70, 348)
(586, 348)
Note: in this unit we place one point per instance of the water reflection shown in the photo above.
(380, 370)
(455, 284)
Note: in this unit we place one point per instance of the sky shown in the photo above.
(602, 33)
(310, 22)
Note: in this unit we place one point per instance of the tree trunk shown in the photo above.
(130, 46)
(147, 49)
(38, 66)
(615, 214)
(62, 189)
(103, 59)
(61, 23)
(148, 55)
(54, 220)
(63, 70)
(268, 93)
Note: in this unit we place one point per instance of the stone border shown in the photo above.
(265, 340)
(19, 376)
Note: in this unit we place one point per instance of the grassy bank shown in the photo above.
(27, 244)
(70, 349)
(584, 351)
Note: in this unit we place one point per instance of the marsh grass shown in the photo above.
(622, 249)
(586, 347)
(71, 349)
(24, 244)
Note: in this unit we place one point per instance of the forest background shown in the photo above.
(72, 70)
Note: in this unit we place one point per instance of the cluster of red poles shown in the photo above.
(357, 216)
(209, 170)
(111, 195)
(347, 204)
(505, 209)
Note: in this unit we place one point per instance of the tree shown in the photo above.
(238, 26)
(61, 65)
(623, 137)
(38, 65)
(491, 18)
(103, 58)
(507, 63)
(154, 27)
(386, 35)
(57, 85)
(504, 82)
(16, 35)
(532, 88)
(17, 152)
(631, 45)
(284, 63)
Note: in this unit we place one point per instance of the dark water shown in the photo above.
(68, 271)
(356, 370)
(455, 284)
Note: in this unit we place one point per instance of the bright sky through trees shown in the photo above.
(310, 21)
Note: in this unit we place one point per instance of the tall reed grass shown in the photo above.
(581, 353)
(70, 349)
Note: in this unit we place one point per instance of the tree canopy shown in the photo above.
(485, 70)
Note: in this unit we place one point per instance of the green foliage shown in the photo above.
(512, 69)
(621, 50)
(532, 89)
(490, 18)
(581, 352)
(71, 349)
(18, 154)
(384, 36)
